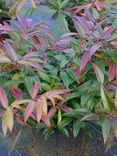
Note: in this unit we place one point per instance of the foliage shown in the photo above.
(68, 84)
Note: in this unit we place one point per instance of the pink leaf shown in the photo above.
(35, 89)
(99, 5)
(25, 23)
(6, 27)
(3, 98)
(31, 64)
(78, 8)
(10, 51)
(116, 99)
(106, 34)
(87, 56)
(64, 107)
(46, 120)
(29, 109)
(52, 112)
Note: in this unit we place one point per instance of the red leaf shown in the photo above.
(3, 98)
(16, 93)
(78, 72)
(112, 70)
(36, 40)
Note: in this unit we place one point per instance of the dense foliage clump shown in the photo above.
(68, 84)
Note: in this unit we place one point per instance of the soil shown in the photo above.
(59, 145)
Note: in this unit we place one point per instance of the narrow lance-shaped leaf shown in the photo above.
(52, 112)
(10, 51)
(59, 117)
(90, 117)
(38, 112)
(8, 118)
(112, 70)
(46, 120)
(16, 93)
(44, 105)
(20, 102)
(87, 56)
(3, 98)
(105, 100)
(106, 129)
(106, 34)
(35, 89)
(99, 73)
(79, 29)
(31, 64)
(4, 124)
(29, 109)
(76, 127)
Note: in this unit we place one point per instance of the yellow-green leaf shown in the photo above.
(44, 105)
(106, 129)
(9, 118)
(19, 102)
(38, 112)
(59, 117)
(4, 124)
(106, 100)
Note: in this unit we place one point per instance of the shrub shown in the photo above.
(68, 84)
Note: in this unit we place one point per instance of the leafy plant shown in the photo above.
(69, 84)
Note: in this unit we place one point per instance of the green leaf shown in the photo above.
(64, 131)
(66, 121)
(46, 86)
(106, 129)
(79, 29)
(106, 99)
(95, 13)
(65, 78)
(64, 3)
(76, 127)
(44, 77)
(85, 98)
